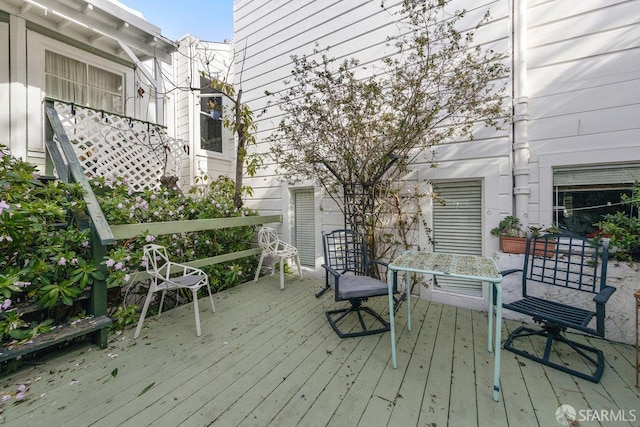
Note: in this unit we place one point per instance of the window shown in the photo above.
(70, 80)
(210, 117)
(583, 195)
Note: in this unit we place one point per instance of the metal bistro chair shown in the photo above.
(576, 268)
(272, 246)
(348, 272)
(167, 275)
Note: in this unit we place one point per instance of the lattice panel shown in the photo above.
(113, 146)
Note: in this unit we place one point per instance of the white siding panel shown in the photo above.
(5, 116)
(267, 33)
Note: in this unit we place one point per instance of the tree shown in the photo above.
(239, 120)
(354, 130)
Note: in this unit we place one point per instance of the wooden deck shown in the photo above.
(269, 357)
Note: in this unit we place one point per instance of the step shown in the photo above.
(59, 334)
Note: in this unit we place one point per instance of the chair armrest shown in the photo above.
(332, 271)
(603, 296)
(510, 271)
(382, 263)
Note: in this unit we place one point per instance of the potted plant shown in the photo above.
(513, 239)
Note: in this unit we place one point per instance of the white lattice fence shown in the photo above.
(113, 146)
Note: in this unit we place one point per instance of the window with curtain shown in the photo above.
(583, 195)
(210, 117)
(71, 80)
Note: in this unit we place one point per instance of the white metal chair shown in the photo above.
(272, 246)
(167, 275)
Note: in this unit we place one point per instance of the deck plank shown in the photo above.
(462, 405)
(411, 396)
(435, 409)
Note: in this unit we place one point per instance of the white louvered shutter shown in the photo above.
(457, 228)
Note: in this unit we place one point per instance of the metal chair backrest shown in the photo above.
(346, 251)
(157, 260)
(566, 261)
(268, 240)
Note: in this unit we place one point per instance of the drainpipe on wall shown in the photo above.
(521, 153)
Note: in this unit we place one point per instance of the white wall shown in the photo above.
(584, 89)
(273, 31)
(581, 93)
(35, 47)
(192, 58)
(5, 86)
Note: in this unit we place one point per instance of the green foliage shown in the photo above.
(623, 229)
(46, 256)
(356, 128)
(211, 199)
(510, 226)
(124, 316)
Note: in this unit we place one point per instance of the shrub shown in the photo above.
(623, 229)
(46, 253)
(122, 205)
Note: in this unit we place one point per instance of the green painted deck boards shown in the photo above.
(269, 357)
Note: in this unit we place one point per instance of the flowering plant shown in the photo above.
(46, 250)
(123, 205)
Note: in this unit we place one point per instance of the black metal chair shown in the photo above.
(575, 267)
(349, 272)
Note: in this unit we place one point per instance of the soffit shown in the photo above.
(101, 24)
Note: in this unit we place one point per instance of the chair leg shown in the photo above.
(255, 279)
(281, 273)
(161, 303)
(336, 316)
(299, 266)
(144, 312)
(211, 298)
(196, 310)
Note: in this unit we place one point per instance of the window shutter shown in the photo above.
(457, 228)
(594, 175)
(304, 233)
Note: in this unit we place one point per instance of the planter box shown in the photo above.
(517, 245)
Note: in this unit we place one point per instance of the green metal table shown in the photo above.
(452, 265)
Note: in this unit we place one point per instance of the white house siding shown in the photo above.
(96, 37)
(189, 62)
(35, 47)
(272, 31)
(584, 89)
(5, 87)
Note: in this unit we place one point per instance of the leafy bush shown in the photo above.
(46, 251)
(47, 255)
(623, 229)
(122, 205)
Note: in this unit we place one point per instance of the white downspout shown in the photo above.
(159, 84)
(521, 188)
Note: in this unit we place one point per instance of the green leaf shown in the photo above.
(146, 389)
(114, 373)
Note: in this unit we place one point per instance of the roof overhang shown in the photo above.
(102, 24)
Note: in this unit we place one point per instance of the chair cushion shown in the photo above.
(361, 287)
